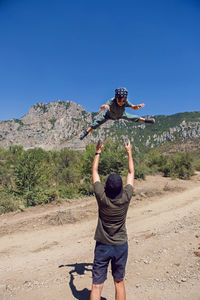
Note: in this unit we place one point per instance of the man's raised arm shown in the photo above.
(131, 172)
(95, 165)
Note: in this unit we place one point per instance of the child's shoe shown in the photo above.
(83, 135)
(150, 121)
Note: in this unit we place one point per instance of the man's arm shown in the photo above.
(95, 165)
(131, 172)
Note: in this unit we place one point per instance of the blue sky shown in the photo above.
(81, 50)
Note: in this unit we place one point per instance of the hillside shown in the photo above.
(58, 124)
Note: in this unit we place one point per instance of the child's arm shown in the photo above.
(105, 106)
(137, 106)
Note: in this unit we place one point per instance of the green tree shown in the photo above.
(8, 160)
(87, 159)
(114, 158)
(67, 166)
(32, 170)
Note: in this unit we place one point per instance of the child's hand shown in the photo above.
(136, 107)
(105, 106)
(141, 105)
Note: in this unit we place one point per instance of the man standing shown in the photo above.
(111, 236)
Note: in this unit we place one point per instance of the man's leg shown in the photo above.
(118, 266)
(99, 270)
(120, 292)
(96, 291)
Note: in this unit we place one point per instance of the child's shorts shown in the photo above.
(103, 254)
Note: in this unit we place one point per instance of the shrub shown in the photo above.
(40, 196)
(140, 172)
(155, 161)
(86, 189)
(7, 203)
(68, 191)
(179, 166)
(197, 165)
(52, 121)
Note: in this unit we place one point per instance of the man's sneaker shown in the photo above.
(150, 121)
(83, 135)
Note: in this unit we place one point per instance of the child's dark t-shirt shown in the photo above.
(116, 111)
(111, 227)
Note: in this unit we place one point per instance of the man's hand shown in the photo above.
(99, 146)
(105, 106)
(131, 173)
(128, 146)
(136, 107)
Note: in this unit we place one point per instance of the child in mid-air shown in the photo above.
(116, 110)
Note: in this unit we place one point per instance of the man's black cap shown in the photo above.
(114, 186)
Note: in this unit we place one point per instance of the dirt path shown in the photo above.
(47, 252)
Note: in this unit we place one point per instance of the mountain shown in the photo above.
(59, 124)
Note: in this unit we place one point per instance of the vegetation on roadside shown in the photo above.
(36, 176)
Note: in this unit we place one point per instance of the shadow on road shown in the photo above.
(79, 269)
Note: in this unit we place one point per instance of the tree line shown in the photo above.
(36, 176)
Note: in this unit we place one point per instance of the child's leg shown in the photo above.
(99, 122)
(136, 118)
(95, 125)
(129, 117)
(150, 121)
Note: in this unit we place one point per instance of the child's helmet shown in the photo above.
(121, 92)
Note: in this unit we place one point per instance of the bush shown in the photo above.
(68, 191)
(7, 203)
(196, 165)
(179, 166)
(140, 172)
(40, 196)
(155, 161)
(86, 189)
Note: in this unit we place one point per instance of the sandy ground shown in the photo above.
(47, 252)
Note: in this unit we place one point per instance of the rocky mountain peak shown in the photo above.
(58, 124)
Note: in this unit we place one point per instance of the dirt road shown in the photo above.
(47, 252)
